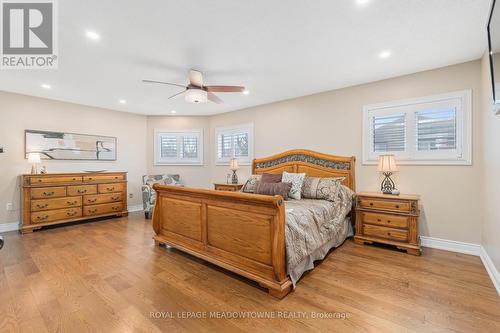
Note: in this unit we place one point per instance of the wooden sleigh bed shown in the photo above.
(241, 232)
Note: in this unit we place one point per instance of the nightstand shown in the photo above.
(388, 219)
(227, 187)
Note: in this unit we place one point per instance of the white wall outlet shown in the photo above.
(9, 206)
(131, 195)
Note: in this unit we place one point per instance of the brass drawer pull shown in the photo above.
(72, 202)
(397, 206)
(379, 220)
(42, 217)
(42, 206)
(48, 194)
(92, 200)
(82, 191)
(115, 208)
(90, 178)
(74, 178)
(110, 189)
(115, 198)
(71, 213)
(92, 211)
(389, 234)
(371, 203)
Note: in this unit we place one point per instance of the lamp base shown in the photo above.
(33, 169)
(234, 178)
(388, 186)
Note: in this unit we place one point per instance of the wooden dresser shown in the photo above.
(67, 197)
(388, 219)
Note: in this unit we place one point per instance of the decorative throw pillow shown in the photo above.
(297, 179)
(271, 178)
(273, 189)
(321, 188)
(250, 184)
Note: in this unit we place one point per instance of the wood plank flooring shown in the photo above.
(108, 276)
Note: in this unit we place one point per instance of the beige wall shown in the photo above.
(331, 122)
(20, 112)
(490, 138)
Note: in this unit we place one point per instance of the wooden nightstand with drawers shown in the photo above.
(227, 187)
(388, 219)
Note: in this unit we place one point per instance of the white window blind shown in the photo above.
(428, 130)
(436, 129)
(389, 133)
(234, 142)
(179, 147)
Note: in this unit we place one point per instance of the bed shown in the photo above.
(242, 232)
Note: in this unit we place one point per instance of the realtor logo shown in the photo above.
(28, 34)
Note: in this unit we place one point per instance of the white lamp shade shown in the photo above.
(387, 163)
(34, 158)
(196, 96)
(233, 164)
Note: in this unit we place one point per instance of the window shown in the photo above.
(428, 130)
(234, 141)
(178, 147)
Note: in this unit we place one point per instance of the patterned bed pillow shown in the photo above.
(250, 184)
(321, 188)
(297, 179)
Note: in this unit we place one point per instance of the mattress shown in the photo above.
(312, 228)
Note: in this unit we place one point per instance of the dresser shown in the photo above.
(388, 219)
(48, 199)
(227, 187)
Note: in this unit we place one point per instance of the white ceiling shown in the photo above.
(278, 49)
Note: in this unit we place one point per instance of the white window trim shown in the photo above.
(198, 161)
(464, 129)
(236, 129)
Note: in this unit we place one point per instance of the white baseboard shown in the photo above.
(135, 208)
(490, 268)
(449, 245)
(6, 227)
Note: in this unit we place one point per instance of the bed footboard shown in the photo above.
(244, 233)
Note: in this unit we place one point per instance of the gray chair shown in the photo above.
(149, 195)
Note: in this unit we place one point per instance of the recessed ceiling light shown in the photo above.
(92, 35)
(384, 54)
(122, 101)
(246, 92)
(362, 2)
(45, 86)
(173, 112)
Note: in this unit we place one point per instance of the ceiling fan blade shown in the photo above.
(161, 82)
(196, 78)
(225, 88)
(213, 98)
(182, 92)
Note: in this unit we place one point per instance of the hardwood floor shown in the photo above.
(109, 277)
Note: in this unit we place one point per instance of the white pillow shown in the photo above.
(297, 180)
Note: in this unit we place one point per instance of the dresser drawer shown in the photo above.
(55, 179)
(55, 215)
(49, 204)
(102, 198)
(394, 221)
(48, 192)
(385, 233)
(110, 188)
(384, 204)
(82, 189)
(102, 178)
(102, 209)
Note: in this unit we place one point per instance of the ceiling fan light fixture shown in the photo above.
(196, 96)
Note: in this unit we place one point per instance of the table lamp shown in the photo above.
(387, 165)
(34, 159)
(233, 166)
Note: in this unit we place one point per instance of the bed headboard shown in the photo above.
(310, 162)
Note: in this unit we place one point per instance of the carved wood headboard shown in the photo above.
(307, 161)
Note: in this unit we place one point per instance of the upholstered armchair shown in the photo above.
(149, 195)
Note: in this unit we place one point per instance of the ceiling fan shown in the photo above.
(196, 92)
